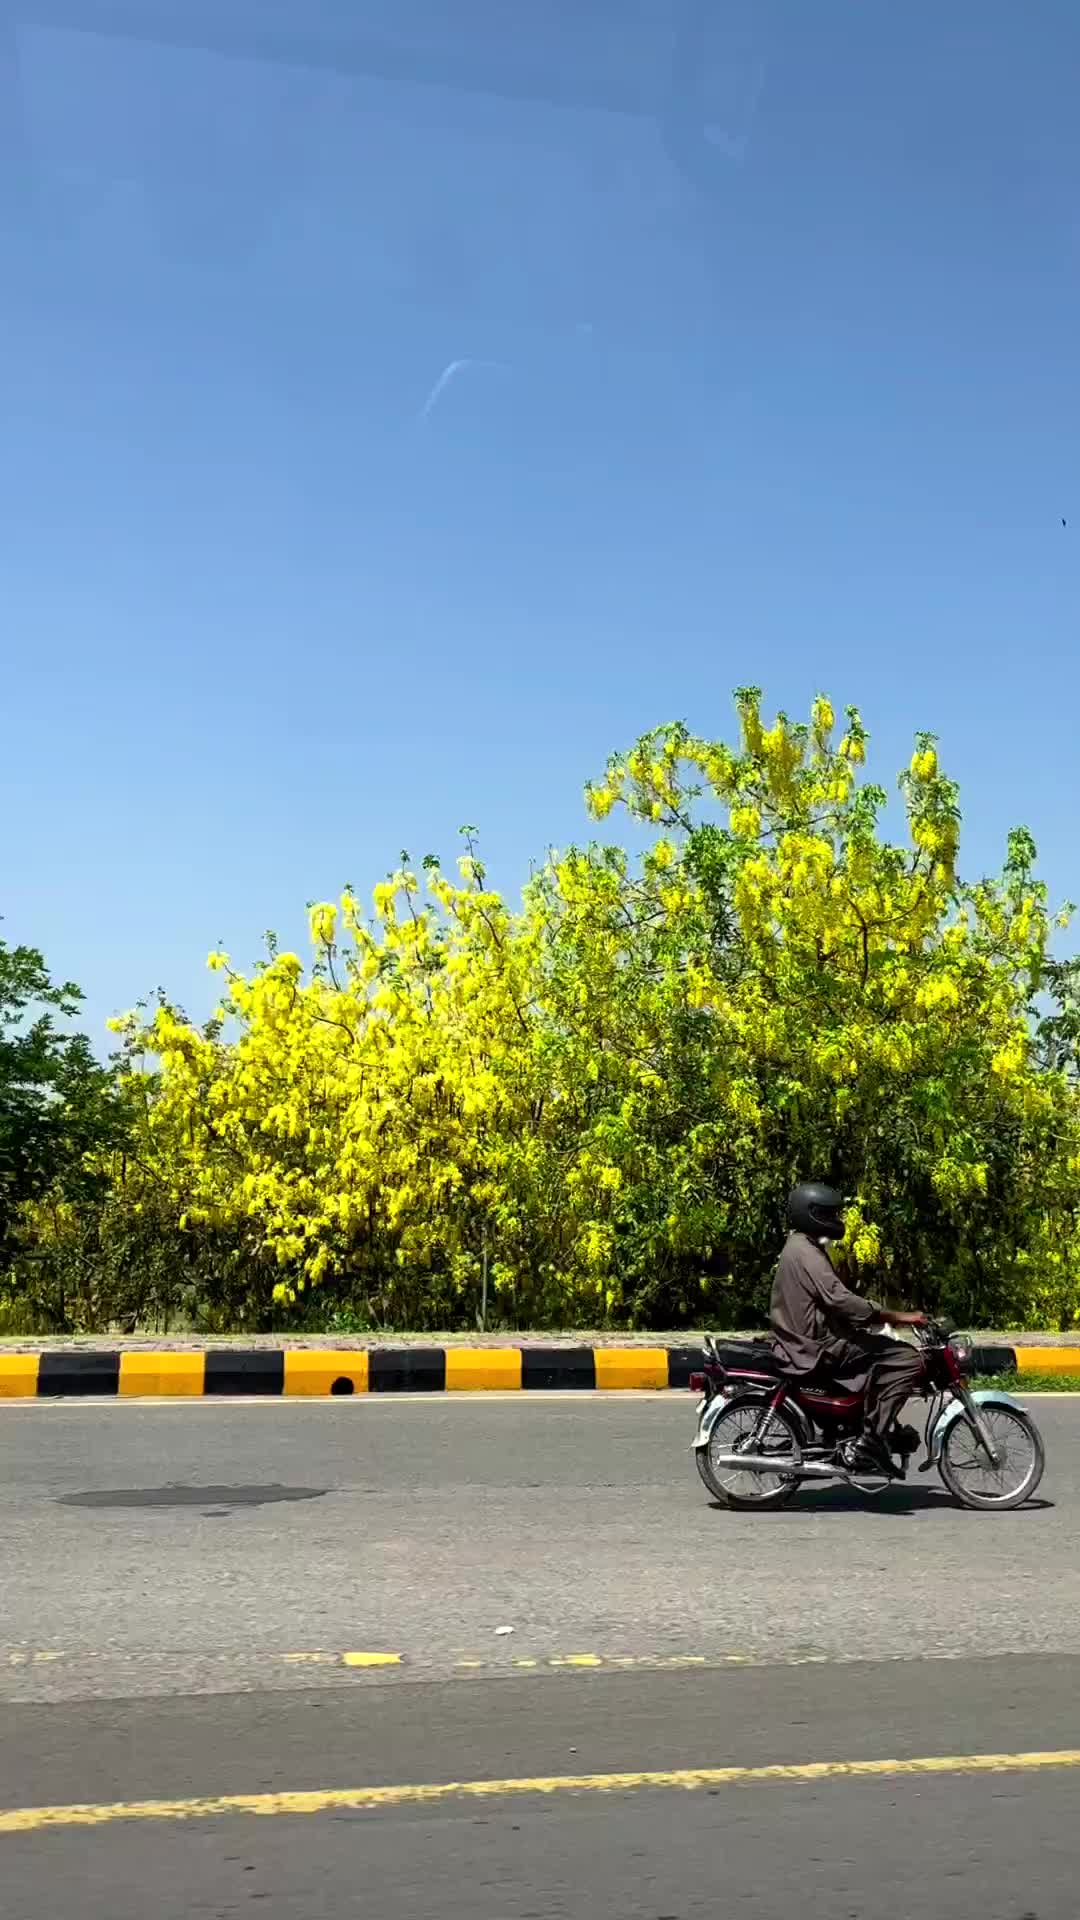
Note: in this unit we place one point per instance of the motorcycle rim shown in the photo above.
(734, 1486)
(970, 1476)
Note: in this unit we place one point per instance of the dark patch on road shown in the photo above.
(180, 1496)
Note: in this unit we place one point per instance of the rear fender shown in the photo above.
(954, 1411)
(748, 1396)
(710, 1412)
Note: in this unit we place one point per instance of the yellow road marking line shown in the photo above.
(560, 1662)
(254, 1403)
(687, 1779)
(324, 1657)
(670, 1659)
(622, 1662)
(319, 1658)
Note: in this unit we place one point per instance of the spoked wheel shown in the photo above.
(970, 1476)
(732, 1432)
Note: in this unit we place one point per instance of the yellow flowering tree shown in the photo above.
(592, 1104)
(338, 1121)
(883, 1008)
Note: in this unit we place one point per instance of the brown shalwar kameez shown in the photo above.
(821, 1329)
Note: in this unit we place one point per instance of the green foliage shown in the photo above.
(1026, 1382)
(57, 1104)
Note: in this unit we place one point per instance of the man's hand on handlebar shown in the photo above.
(898, 1319)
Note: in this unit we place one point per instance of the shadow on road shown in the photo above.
(181, 1496)
(893, 1501)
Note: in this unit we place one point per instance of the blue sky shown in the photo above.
(779, 310)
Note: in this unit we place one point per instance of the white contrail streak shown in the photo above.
(449, 373)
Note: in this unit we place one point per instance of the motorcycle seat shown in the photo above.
(748, 1356)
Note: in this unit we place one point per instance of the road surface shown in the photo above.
(306, 1600)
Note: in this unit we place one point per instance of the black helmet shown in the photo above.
(816, 1210)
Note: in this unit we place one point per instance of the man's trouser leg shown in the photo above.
(894, 1377)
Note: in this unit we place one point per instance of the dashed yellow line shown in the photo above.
(381, 1658)
(607, 1662)
(552, 1662)
(685, 1779)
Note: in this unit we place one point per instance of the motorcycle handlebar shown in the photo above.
(936, 1333)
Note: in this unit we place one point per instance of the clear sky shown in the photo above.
(770, 321)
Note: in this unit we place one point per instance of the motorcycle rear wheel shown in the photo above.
(701, 1462)
(733, 1486)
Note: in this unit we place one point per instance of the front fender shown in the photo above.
(954, 1411)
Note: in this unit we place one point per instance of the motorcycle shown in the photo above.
(761, 1434)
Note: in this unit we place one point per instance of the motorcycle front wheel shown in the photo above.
(731, 1432)
(973, 1480)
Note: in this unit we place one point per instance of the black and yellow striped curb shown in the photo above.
(319, 1372)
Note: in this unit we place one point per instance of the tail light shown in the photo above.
(697, 1383)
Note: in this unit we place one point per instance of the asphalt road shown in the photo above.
(181, 1587)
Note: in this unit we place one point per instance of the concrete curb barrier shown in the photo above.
(317, 1373)
(1062, 1360)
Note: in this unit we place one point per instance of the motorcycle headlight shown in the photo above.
(964, 1352)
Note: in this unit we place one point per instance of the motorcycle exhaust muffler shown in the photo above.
(771, 1463)
(806, 1469)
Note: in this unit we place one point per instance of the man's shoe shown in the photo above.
(866, 1456)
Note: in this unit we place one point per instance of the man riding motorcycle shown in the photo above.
(821, 1331)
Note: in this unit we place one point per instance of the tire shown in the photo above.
(701, 1461)
(757, 1490)
(968, 1474)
